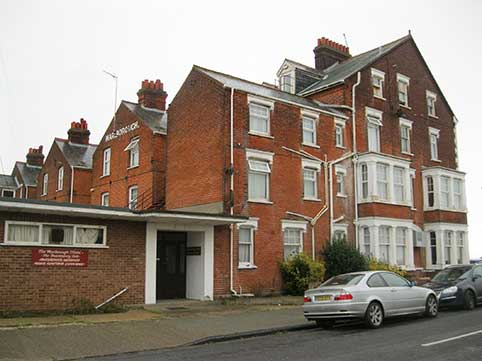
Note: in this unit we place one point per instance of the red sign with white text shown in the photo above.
(52, 257)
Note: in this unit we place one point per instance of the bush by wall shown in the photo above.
(375, 265)
(298, 272)
(340, 257)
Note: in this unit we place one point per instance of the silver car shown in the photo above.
(370, 296)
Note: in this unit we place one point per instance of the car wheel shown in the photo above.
(431, 306)
(326, 324)
(469, 300)
(374, 315)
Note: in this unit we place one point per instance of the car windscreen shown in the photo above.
(344, 280)
(450, 274)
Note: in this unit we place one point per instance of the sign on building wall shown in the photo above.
(51, 257)
(119, 132)
(193, 251)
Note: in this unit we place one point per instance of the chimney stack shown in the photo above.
(152, 95)
(328, 52)
(79, 132)
(35, 156)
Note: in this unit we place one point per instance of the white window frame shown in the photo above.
(339, 228)
(254, 155)
(366, 246)
(460, 244)
(252, 226)
(313, 174)
(340, 173)
(374, 119)
(40, 243)
(10, 190)
(385, 182)
(290, 225)
(311, 131)
(405, 80)
(445, 192)
(400, 185)
(287, 86)
(433, 136)
(60, 179)
(340, 133)
(431, 96)
(387, 242)
(405, 124)
(133, 203)
(134, 152)
(364, 181)
(103, 198)
(265, 104)
(377, 75)
(448, 244)
(458, 200)
(401, 242)
(45, 184)
(106, 162)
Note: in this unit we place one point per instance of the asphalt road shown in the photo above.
(399, 339)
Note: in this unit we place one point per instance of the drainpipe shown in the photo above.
(72, 184)
(355, 158)
(231, 165)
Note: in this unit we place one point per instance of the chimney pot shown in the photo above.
(152, 94)
(35, 156)
(79, 132)
(329, 52)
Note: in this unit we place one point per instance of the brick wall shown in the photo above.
(34, 288)
(196, 160)
(148, 176)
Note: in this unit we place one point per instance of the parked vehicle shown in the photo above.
(459, 285)
(370, 296)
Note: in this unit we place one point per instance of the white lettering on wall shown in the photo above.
(119, 132)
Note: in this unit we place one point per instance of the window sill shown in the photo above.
(58, 190)
(20, 244)
(405, 106)
(311, 199)
(340, 146)
(378, 97)
(104, 175)
(261, 201)
(342, 195)
(310, 145)
(408, 153)
(436, 160)
(262, 135)
(133, 167)
(247, 267)
(432, 116)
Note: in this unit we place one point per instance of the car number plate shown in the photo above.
(323, 298)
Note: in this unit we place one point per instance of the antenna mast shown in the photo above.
(346, 41)
(115, 95)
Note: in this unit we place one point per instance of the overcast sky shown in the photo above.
(52, 54)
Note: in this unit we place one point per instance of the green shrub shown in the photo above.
(298, 272)
(340, 257)
(375, 265)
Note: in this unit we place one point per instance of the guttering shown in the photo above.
(72, 184)
(303, 154)
(355, 158)
(231, 194)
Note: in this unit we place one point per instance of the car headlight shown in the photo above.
(450, 290)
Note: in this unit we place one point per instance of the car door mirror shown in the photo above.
(412, 283)
(476, 277)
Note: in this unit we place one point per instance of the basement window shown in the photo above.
(55, 235)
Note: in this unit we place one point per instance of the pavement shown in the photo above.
(164, 325)
(452, 336)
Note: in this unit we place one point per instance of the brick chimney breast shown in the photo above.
(35, 156)
(79, 132)
(152, 94)
(328, 52)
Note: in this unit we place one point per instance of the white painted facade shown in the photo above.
(199, 269)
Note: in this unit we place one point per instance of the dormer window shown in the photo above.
(287, 83)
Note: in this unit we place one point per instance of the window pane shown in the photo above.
(309, 183)
(245, 244)
(309, 132)
(373, 138)
(257, 185)
(57, 234)
(23, 233)
(259, 166)
(258, 118)
(87, 235)
(394, 280)
(376, 281)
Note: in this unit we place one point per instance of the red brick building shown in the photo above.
(130, 160)
(66, 175)
(27, 173)
(360, 147)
